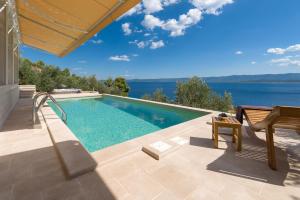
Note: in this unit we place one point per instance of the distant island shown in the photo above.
(290, 77)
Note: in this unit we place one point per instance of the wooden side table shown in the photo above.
(227, 122)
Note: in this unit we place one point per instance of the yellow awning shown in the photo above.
(60, 26)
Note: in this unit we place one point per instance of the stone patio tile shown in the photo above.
(115, 152)
(141, 185)
(119, 168)
(30, 168)
(27, 189)
(6, 149)
(203, 193)
(95, 187)
(29, 196)
(47, 166)
(200, 155)
(66, 190)
(276, 192)
(175, 180)
(167, 195)
(239, 191)
(149, 138)
(5, 178)
(19, 173)
(5, 163)
(32, 144)
(6, 192)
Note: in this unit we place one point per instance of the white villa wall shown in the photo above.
(9, 63)
(9, 95)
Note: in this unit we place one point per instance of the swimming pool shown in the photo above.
(105, 121)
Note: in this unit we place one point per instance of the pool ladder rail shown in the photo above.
(46, 95)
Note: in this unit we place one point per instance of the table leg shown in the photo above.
(270, 148)
(213, 131)
(239, 137)
(216, 133)
(233, 135)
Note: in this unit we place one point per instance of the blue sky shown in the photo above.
(183, 38)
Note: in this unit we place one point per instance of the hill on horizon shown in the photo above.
(289, 77)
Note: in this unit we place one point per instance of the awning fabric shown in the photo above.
(60, 26)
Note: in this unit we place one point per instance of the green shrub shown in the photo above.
(147, 97)
(196, 93)
(157, 95)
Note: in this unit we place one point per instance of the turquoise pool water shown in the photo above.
(102, 122)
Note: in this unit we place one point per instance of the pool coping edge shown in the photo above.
(75, 159)
(116, 151)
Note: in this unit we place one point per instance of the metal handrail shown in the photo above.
(36, 109)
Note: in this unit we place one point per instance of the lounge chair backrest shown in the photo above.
(286, 111)
(277, 114)
(270, 119)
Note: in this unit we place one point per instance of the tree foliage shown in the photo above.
(48, 77)
(121, 86)
(195, 93)
(157, 95)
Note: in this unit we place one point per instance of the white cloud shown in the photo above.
(120, 58)
(135, 10)
(253, 62)
(141, 44)
(148, 43)
(138, 31)
(210, 6)
(238, 52)
(157, 44)
(126, 28)
(135, 55)
(133, 42)
(170, 2)
(152, 6)
(293, 48)
(286, 61)
(96, 41)
(175, 27)
(276, 51)
(149, 6)
(82, 61)
(280, 51)
(147, 34)
(150, 22)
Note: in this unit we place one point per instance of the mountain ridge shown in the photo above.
(288, 77)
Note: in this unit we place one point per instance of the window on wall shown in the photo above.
(3, 32)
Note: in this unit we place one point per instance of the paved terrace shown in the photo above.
(30, 168)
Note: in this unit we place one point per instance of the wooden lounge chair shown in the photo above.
(265, 118)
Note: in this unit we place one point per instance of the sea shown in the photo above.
(261, 94)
